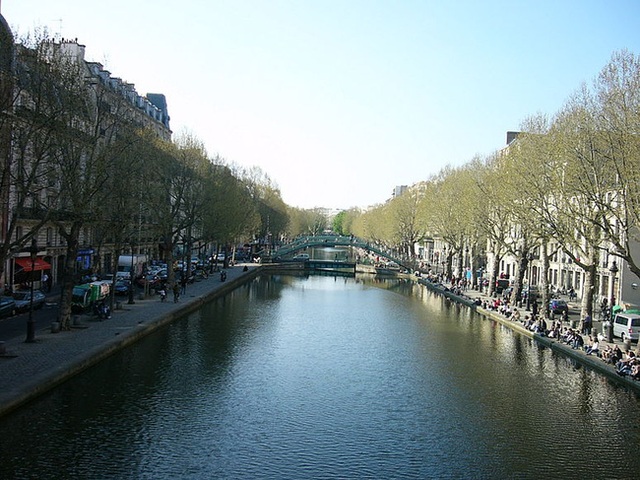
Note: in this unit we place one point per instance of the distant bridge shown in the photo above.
(300, 243)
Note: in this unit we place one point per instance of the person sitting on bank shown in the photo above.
(578, 341)
(566, 335)
(515, 316)
(529, 321)
(605, 353)
(554, 331)
(623, 366)
(594, 347)
(615, 356)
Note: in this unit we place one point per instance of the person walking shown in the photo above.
(587, 325)
(176, 292)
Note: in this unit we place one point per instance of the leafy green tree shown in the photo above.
(442, 212)
(338, 223)
(273, 212)
(404, 219)
(230, 213)
(613, 102)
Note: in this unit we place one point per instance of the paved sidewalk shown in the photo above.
(30, 369)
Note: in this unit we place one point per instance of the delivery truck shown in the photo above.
(127, 262)
(85, 296)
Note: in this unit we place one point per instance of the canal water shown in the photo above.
(326, 377)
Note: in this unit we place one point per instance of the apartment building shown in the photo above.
(149, 112)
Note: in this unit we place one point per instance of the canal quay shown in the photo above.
(282, 374)
(27, 370)
(474, 299)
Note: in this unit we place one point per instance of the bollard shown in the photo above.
(627, 344)
(3, 348)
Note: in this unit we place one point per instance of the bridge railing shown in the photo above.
(340, 241)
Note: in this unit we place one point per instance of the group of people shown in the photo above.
(626, 364)
(102, 310)
(176, 289)
(629, 365)
(180, 287)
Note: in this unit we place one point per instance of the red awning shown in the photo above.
(38, 264)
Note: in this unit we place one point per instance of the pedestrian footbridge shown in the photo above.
(288, 250)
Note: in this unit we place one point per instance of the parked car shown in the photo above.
(301, 257)
(7, 307)
(162, 274)
(122, 287)
(502, 284)
(23, 299)
(558, 307)
(626, 325)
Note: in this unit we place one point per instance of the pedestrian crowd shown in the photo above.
(583, 338)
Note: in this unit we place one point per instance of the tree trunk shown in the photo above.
(544, 278)
(68, 274)
(494, 272)
(589, 286)
(516, 294)
(448, 267)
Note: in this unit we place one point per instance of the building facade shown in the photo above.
(117, 98)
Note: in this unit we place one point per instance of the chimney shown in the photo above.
(511, 136)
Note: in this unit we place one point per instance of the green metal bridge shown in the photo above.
(285, 251)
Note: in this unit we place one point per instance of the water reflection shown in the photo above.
(329, 377)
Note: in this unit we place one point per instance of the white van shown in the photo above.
(626, 325)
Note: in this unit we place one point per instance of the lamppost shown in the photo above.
(31, 325)
(444, 262)
(131, 301)
(614, 270)
(530, 260)
(467, 272)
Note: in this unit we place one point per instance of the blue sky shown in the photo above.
(340, 101)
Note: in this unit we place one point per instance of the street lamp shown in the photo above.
(467, 264)
(609, 326)
(131, 301)
(614, 270)
(444, 262)
(31, 325)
